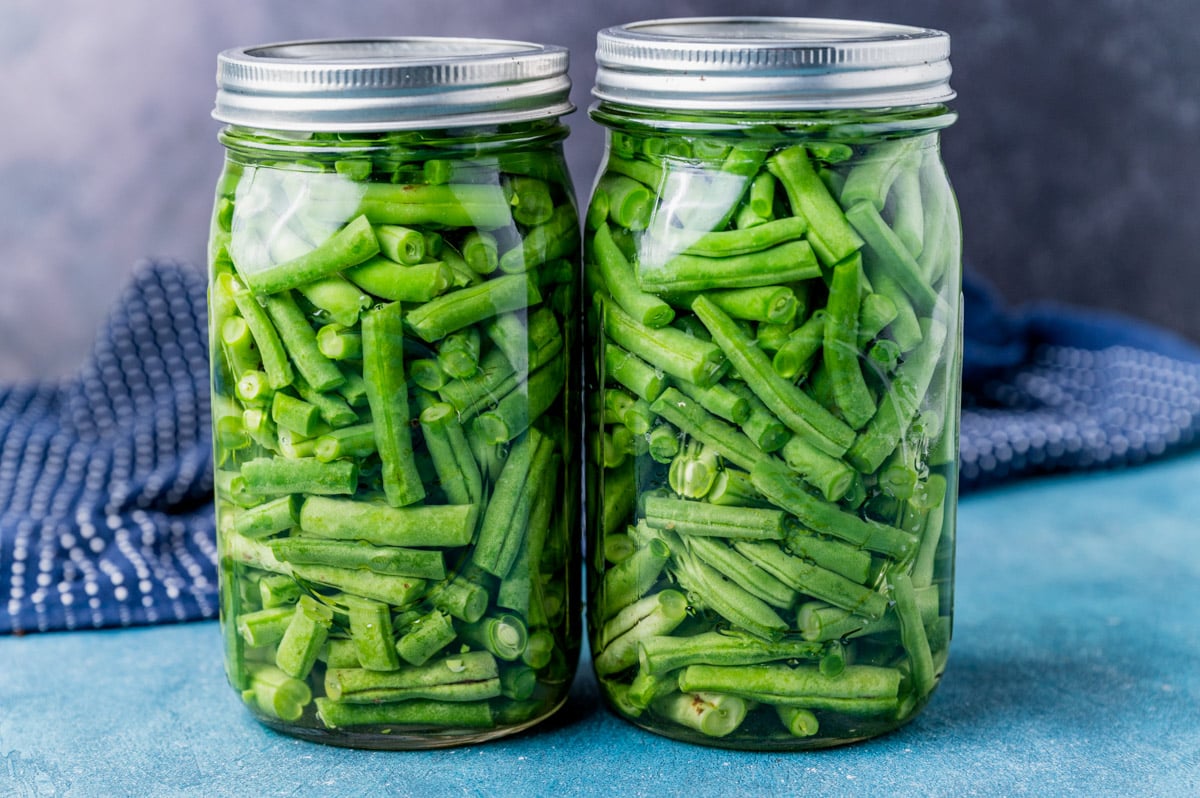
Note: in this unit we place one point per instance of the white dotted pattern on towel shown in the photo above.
(1074, 409)
(106, 478)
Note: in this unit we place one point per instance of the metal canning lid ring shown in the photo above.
(390, 84)
(771, 63)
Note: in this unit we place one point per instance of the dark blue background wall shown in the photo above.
(1075, 157)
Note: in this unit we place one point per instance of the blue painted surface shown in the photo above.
(1075, 669)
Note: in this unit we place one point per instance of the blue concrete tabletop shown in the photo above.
(1075, 669)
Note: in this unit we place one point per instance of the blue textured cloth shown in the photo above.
(106, 478)
(1053, 388)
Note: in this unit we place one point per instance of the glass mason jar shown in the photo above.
(773, 275)
(393, 311)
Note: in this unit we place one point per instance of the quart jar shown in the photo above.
(393, 315)
(773, 291)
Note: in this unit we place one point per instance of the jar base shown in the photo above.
(762, 742)
(407, 739)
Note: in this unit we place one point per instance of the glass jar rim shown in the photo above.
(397, 83)
(771, 63)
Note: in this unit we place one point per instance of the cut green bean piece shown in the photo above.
(767, 432)
(769, 304)
(401, 244)
(619, 279)
(734, 488)
(269, 518)
(827, 474)
(739, 242)
(558, 237)
(819, 621)
(665, 653)
(458, 353)
(494, 379)
(795, 356)
(522, 406)
(814, 580)
(907, 208)
(428, 635)
(305, 635)
(798, 721)
(471, 305)
(504, 635)
(371, 631)
(912, 633)
(628, 580)
(666, 612)
(276, 693)
(839, 557)
(530, 198)
(450, 205)
(266, 337)
(353, 244)
(739, 570)
(891, 255)
(900, 403)
(666, 348)
(417, 713)
(649, 175)
(831, 236)
(420, 563)
(473, 676)
(718, 400)
(461, 598)
(788, 403)
(348, 442)
(506, 497)
(267, 476)
(687, 415)
(876, 311)
(507, 516)
(634, 373)
(872, 177)
(776, 482)
(399, 591)
(481, 252)
(458, 473)
(840, 347)
(278, 590)
(265, 627)
(387, 395)
(435, 525)
(420, 282)
(238, 344)
(694, 470)
(630, 203)
(427, 374)
(727, 599)
(702, 518)
(336, 298)
(338, 343)
(711, 714)
(300, 341)
(295, 414)
(783, 263)
(858, 690)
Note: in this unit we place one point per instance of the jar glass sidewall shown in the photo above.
(393, 321)
(771, 498)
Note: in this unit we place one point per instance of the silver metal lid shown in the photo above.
(390, 84)
(771, 63)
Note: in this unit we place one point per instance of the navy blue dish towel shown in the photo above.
(106, 478)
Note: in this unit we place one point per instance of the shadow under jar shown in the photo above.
(393, 309)
(773, 292)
